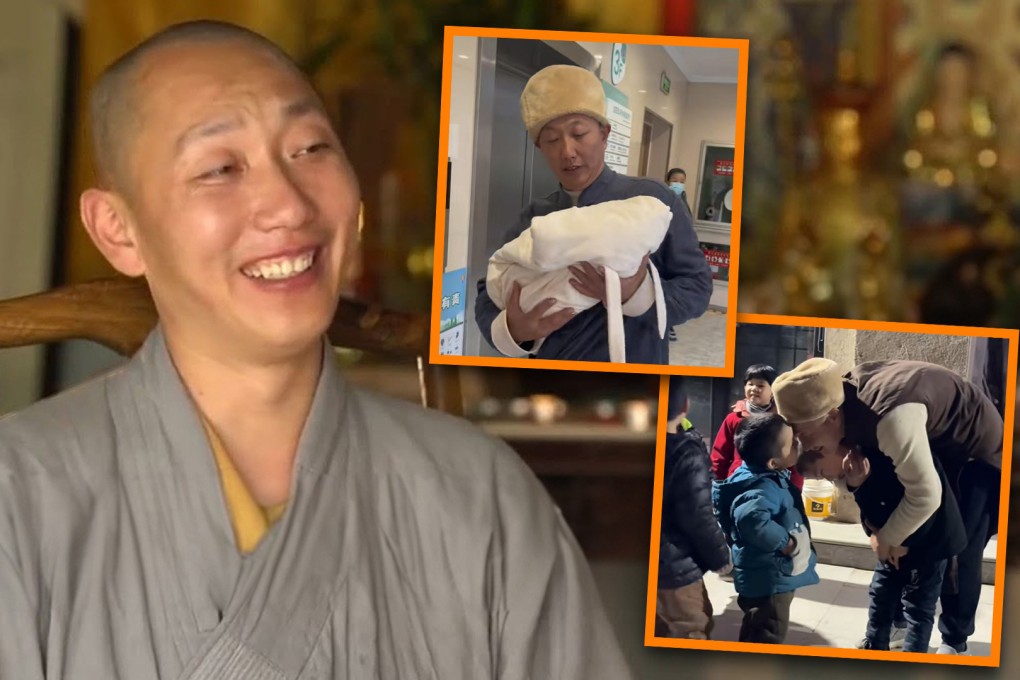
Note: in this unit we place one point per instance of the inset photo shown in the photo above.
(588, 206)
(845, 494)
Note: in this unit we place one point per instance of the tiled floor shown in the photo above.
(701, 341)
(833, 613)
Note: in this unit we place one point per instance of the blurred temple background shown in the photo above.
(882, 156)
(880, 182)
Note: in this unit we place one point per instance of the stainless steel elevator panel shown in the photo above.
(509, 172)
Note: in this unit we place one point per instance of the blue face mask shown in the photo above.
(677, 187)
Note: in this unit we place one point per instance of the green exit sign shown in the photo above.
(664, 83)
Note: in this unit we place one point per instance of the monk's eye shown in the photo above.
(220, 172)
(318, 147)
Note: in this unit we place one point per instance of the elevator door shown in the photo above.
(518, 173)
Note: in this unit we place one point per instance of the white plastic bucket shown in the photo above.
(818, 495)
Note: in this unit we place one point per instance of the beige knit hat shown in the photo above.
(558, 90)
(809, 391)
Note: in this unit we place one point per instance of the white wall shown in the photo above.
(463, 111)
(710, 115)
(31, 88)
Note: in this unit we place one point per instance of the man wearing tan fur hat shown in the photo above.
(564, 112)
(913, 413)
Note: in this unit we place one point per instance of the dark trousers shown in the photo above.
(766, 619)
(977, 492)
(916, 588)
(899, 620)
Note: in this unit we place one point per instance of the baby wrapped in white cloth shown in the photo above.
(615, 235)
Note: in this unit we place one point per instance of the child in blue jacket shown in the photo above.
(763, 514)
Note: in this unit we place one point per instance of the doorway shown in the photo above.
(656, 138)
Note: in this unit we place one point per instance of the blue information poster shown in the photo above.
(451, 312)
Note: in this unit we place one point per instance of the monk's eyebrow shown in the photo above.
(302, 107)
(205, 130)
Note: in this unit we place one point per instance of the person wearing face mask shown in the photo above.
(564, 112)
(757, 399)
(226, 505)
(676, 178)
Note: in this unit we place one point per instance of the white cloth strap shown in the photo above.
(614, 320)
(660, 300)
(614, 312)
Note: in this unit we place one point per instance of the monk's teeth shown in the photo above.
(282, 268)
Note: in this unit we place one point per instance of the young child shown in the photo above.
(764, 517)
(691, 540)
(757, 399)
(915, 579)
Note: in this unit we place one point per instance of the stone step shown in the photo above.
(846, 545)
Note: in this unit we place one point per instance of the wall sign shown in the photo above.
(618, 149)
(718, 257)
(664, 83)
(619, 65)
(451, 312)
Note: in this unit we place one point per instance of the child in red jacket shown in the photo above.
(757, 399)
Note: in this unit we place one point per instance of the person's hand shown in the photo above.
(856, 468)
(895, 553)
(885, 552)
(591, 280)
(533, 324)
(791, 545)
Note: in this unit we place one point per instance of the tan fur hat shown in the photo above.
(558, 90)
(809, 391)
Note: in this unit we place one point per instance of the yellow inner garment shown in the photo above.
(250, 520)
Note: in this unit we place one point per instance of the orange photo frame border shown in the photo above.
(993, 660)
(724, 371)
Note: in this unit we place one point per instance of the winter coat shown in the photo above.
(941, 537)
(761, 511)
(691, 541)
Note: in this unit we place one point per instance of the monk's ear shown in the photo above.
(110, 225)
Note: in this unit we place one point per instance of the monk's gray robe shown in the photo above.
(413, 547)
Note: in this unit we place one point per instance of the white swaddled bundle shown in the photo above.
(615, 235)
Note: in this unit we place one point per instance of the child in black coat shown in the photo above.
(691, 541)
(915, 579)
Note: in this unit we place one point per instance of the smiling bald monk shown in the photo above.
(225, 505)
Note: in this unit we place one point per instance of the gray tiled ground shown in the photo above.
(701, 341)
(831, 614)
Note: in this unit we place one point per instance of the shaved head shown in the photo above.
(115, 101)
